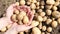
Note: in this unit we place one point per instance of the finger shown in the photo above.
(23, 28)
(3, 22)
(12, 30)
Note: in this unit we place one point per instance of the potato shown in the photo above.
(33, 6)
(21, 32)
(23, 13)
(58, 20)
(34, 23)
(17, 3)
(40, 25)
(54, 8)
(56, 3)
(36, 30)
(42, 7)
(56, 14)
(43, 28)
(19, 17)
(48, 21)
(48, 33)
(49, 29)
(42, 14)
(22, 2)
(3, 29)
(48, 12)
(54, 24)
(37, 3)
(16, 11)
(48, 6)
(20, 22)
(44, 18)
(39, 18)
(50, 1)
(43, 33)
(42, 2)
(25, 20)
(14, 18)
(39, 10)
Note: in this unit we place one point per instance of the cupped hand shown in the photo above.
(15, 28)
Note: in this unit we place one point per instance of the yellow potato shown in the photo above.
(3, 29)
(34, 23)
(36, 30)
(25, 19)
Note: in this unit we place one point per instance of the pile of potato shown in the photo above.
(20, 17)
(46, 16)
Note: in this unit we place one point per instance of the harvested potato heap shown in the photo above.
(20, 17)
(46, 16)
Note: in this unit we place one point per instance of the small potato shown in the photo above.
(48, 33)
(48, 12)
(17, 3)
(54, 24)
(54, 8)
(40, 25)
(34, 1)
(44, 18)
(34, 23)
(39, 10)
(27, 31)
(37, 7)
(19, 17)
(28, 3)
(36, 30)
(33, 6)
(58, 20)
(42, 3)
(56, 3)
(43, 33)
(3, 29)
(48, 21)
(22, 2)
(50, 2)
(23, 13)
(56, 14)
(14, 18)
(33, 11)
(16, 11)
(42, 14)
(48, 6)
(20, 22)
(37, 4)
(25, 19)
(39, 18)
(21, 33)
(43, 28)
(42, 7)
(49, 29)
(29, 0)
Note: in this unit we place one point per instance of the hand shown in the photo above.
(15, 28)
